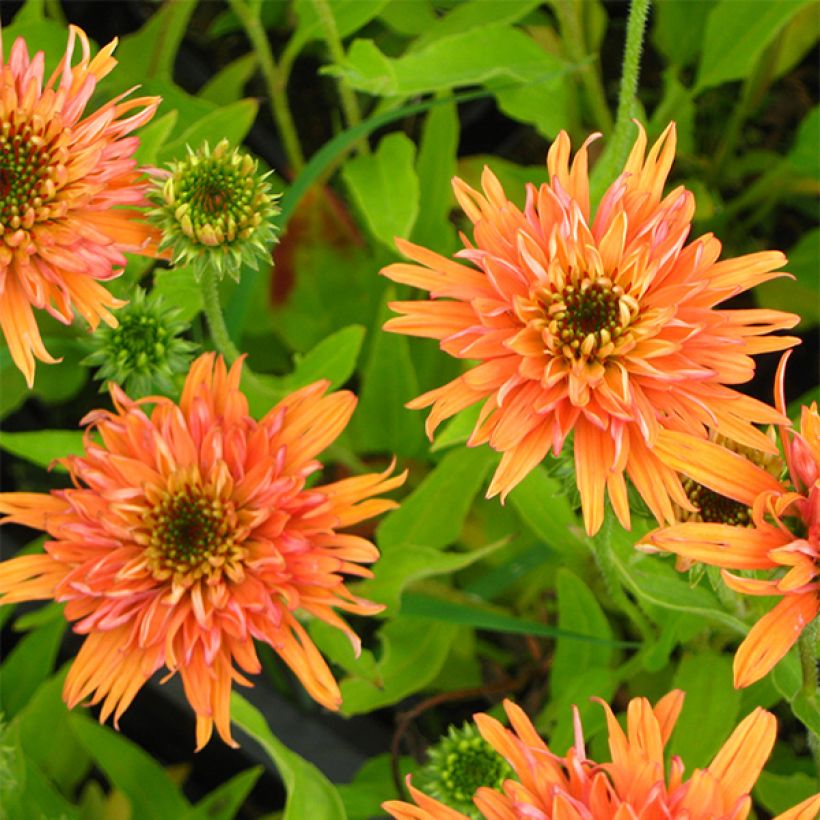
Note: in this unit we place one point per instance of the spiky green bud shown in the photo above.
(144, 352)
(215, 209)
(458, 765)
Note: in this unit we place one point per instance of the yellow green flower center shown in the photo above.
(138, 342)
(715, 508)
(469, 766)
(585, 319)
(30, 175)
(216, 198)
(192, 533)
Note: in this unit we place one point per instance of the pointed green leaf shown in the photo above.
(310, 793)
(385, 188)
(41, 447)
(737, 33)
(144, 782)
(433, 514)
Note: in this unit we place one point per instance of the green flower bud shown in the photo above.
(215, 209)
(143, 353)
(458, 765)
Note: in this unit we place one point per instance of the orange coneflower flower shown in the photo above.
(190, 533)
(604, 327)
(784, 533)
(62, 177)
(634, 784)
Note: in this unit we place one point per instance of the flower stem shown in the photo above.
(350, 105)
(216, 321)
(568, 13)
(627, 101)
(605, 558)
(275, 81)
(807, 646)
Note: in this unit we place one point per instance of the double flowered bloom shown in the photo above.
(64, 180)
(606, 328)
(634, 784)
(190, 533)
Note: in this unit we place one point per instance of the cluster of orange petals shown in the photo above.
(633, 786)
(190, 533)
(606, 327)
(63, 178)
(785, 535)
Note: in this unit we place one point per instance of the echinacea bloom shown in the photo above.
(63, 178)
(633, 785)
(783, 535)
(604, 327)
(190, 533)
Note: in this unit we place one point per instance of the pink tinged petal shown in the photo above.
(773, 636)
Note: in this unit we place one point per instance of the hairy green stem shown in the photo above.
(216, 321)
(807, 646)
(350, 105)
(604, 557)
(219, 330)
(568, 14)
(630, 73)
(275, 80)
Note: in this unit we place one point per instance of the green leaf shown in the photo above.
(435, 167)
(737, 33)
(777, 793)
(409, 19)
(804, 156)
(227, 85)
(413, 653)
(468, 613)
(41, 447)
(151, 51)
(806, 711)
(457, 429)
(468, 58)
(372, 785)
(541, 504)
(310, 793)
(801, 295)
(786, 676)
(678, 27)
(25, 792)
(334, 358)
(385, 187)
(381, 422)
(144, 782)
(578, 611)
(153, 136)
(467, 16)
(28, 665)
(178, 287)
(710, 710)
(224, 801)
(580, 669)
(653, 580)
(231, 122)
(433, 514)
(349, 16)
(544, 105)
(405, 563)
(48, 739)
